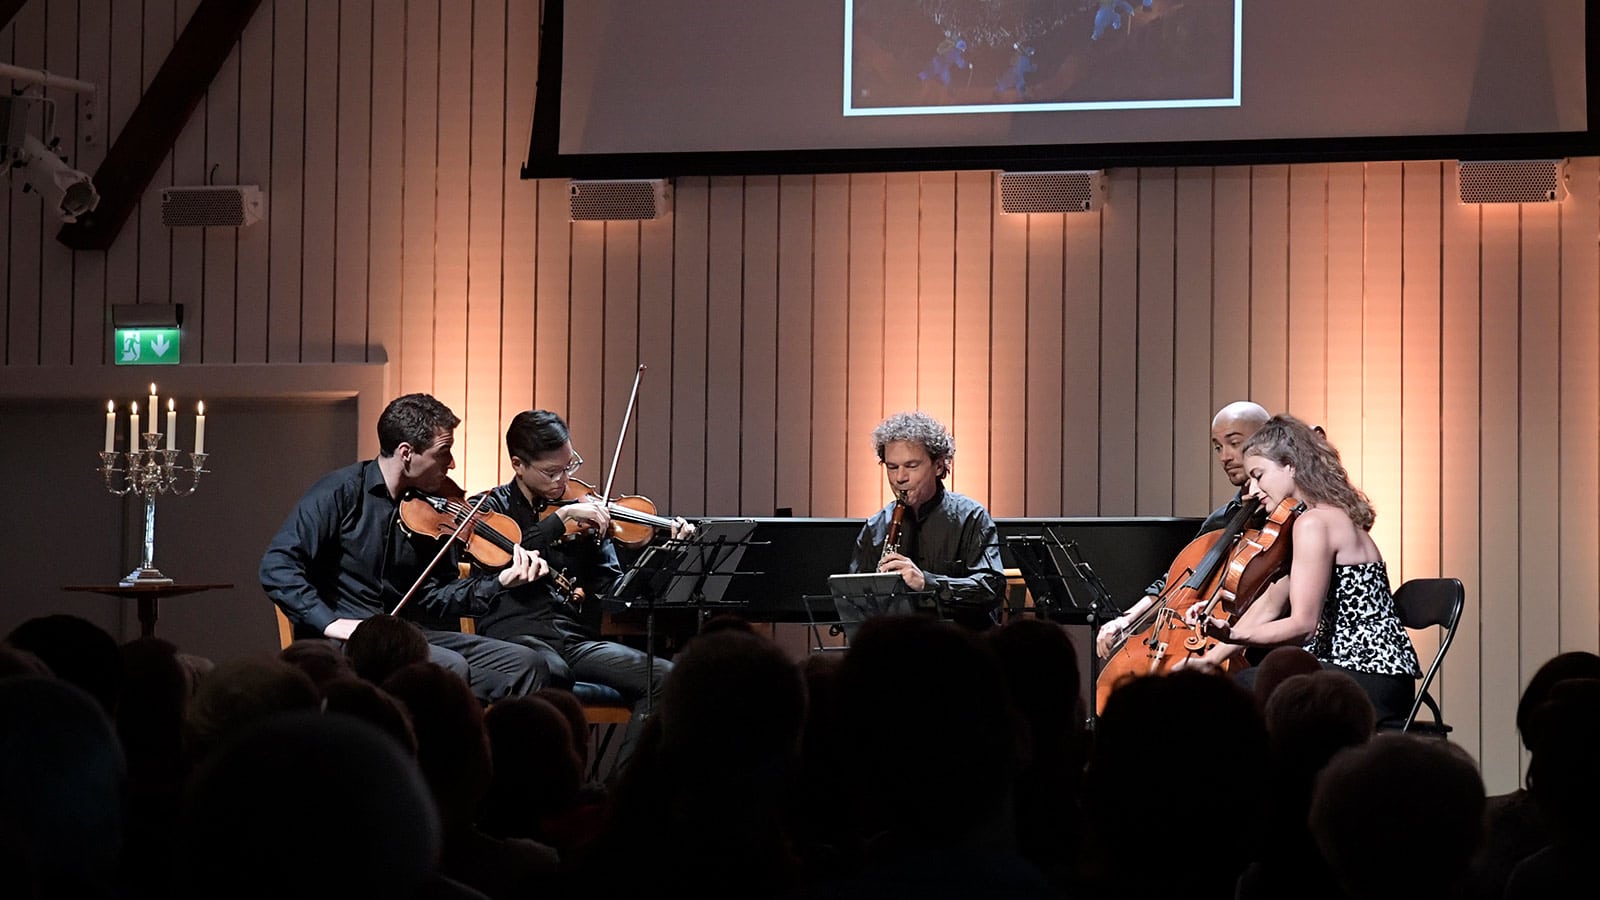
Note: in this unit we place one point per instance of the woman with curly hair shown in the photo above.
(1335, 601)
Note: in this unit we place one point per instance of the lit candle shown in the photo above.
(153, 421)
(172, 424)
(111, 425)
(200, 427)
(133, 427)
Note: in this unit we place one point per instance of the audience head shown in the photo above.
(149, 718)
(61, 783)
(537, 771)
(16, 661)
(1558, 668)
(452, 747)
(1313, 716)
(1041, 671)
(320, 659)
(577, 720)
(241, 692)
(371, 704)
(1563, 733)
(382, 645)
(1279, 665)
(1398, 816)
(77, 651)
(930, 736)
(345, 814)
(733, 697)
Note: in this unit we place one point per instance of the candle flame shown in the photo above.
(171, 404)
(152, 388)
(201, 407)
(111, 406)
(134, 407)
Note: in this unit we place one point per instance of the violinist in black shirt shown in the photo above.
(543, 615)
(342, 555)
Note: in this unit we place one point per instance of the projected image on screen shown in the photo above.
(921, 57)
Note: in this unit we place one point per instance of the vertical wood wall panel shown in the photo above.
(386, 182)
(1418, 552)
(935, 306)
(584, 349)
(1080, 367)
(1230, 300)
(1008, 373)
(1459, 463)
(28, 220)
(1308, 292)
(1270, 341)
(485, 247)
(286, 140)
(1119, 337)
(326, 180)
(830, 370)
(1539, 436)
(864, 361)
(352, 175)
(155, 241)
(615, 355)
(1155, 353)
(1346, 272)
(1192, 408)
(1499, 559)
(724, 336)
(902, 345)
(1379, 438)
(795, 359)
(691, 205)
(759, 349)
(1041, 354)
(55, 293)
(1580, 409)
(1450, 350)
(969, 370)
(90, 331)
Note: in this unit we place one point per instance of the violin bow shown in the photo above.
(605, 493)
(471, 514)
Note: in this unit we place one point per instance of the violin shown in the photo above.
(1225, 571)
(489, 538)
(634, 521)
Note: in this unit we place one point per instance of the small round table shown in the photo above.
(148, 595)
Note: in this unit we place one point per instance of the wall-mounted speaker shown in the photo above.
(211, 206)
(1513, 180)
(1052, 192)
(620, 199)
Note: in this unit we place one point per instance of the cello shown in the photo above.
(1225, 571)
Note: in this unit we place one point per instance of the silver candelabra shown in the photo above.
(150, 472)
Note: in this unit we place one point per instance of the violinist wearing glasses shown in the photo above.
(944, 543)
(572, 529)
(343, 555)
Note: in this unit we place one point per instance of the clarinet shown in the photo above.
(891, 537)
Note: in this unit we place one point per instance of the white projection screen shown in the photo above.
(667, 87)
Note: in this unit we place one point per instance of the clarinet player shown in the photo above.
(946, 549)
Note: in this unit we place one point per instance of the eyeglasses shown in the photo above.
(568, 469)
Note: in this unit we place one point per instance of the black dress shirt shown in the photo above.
(342, 554)
(955, 543)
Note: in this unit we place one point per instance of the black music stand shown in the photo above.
(1044, 561)
(876, 593)
(676, 574)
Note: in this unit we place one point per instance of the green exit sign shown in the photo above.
(147, 347)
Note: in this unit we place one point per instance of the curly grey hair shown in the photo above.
(915, 428)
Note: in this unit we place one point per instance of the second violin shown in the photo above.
(633, 518)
